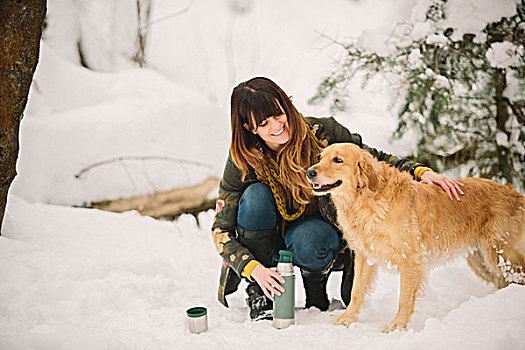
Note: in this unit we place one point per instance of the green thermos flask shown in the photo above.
(284, 305)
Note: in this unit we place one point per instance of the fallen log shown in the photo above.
(169, 204)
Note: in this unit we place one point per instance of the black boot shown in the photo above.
(261, 307)
(261, 244)
(315, 287)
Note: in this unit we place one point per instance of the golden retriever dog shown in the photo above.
(389, 219)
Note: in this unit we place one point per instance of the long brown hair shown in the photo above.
(258, 99)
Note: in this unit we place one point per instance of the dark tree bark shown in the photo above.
(502, 116)
(21, 23)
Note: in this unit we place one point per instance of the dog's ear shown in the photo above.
(367, 175)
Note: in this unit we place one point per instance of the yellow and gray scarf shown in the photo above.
(270, 175)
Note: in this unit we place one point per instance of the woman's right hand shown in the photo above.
(268, 280)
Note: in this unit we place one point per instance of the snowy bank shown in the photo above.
(77, 117)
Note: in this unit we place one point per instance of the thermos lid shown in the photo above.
(197, 311)
(285, 256)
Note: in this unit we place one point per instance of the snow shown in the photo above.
(502, 139)
(406, 22)
(471, 16)
(513, 90)
(502, 55)
(93, 117)
(76, 278)
(105, 30)
(435, 39)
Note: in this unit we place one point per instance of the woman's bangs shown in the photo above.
(260, 106)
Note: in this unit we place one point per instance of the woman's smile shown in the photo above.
(278, 132)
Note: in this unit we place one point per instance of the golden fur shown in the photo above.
(390, 219)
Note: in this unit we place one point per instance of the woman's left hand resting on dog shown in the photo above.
(450, 186)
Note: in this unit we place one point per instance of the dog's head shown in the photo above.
(343, 167)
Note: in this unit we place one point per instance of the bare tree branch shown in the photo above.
(184, 10)
(141, 158)
(332, 40)
(517, 111)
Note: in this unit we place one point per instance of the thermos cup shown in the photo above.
(284, 305)
(197, 319)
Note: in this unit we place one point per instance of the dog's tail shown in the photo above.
(500, 254)
(510, 247)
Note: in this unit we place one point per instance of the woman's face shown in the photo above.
(274, 131)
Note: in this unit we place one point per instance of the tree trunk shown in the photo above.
(502, 115)
(21, 23)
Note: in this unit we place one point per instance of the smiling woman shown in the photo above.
(266, 203)
(265, 122)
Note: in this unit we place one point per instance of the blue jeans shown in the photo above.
(315, 243)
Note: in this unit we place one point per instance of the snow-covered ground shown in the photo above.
(85, 279)
(73, 278)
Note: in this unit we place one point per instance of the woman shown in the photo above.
(265, 202)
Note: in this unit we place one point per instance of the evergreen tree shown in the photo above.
(463, 95)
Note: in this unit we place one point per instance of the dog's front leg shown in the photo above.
(412, 276)
(363, 277)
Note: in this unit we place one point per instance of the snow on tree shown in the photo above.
(461, 74)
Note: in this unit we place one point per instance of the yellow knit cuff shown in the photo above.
(247, 271)
(419, 171)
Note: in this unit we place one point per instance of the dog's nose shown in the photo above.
(311, 173)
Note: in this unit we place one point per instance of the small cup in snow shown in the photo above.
(197, 319)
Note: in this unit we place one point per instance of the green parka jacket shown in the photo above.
(235, 255)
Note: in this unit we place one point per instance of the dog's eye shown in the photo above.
(337, 160)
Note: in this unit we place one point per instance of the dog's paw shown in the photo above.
(345, 320)
(392, 326)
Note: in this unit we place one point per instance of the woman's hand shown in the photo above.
(267, 279)
(450, 186)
